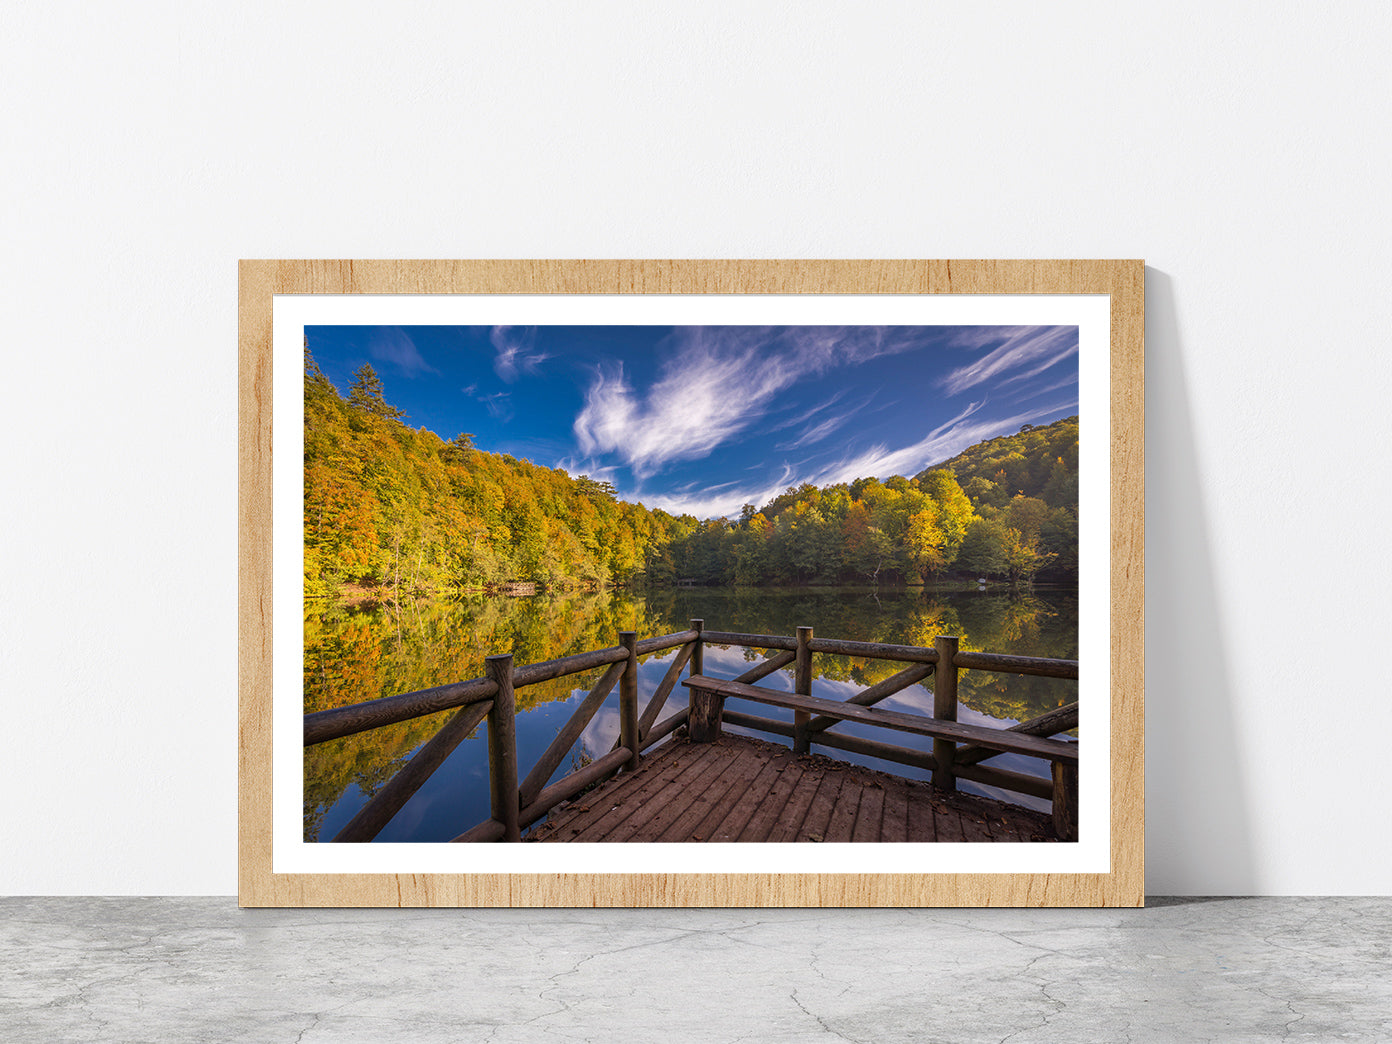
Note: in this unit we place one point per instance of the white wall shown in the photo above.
(1243, 152)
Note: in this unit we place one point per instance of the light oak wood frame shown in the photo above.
(1123, 280)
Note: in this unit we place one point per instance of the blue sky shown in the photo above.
(704, 419)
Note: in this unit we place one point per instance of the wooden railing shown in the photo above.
(958, 750)
(514, 805)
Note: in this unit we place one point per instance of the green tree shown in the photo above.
(595, 490)
(366, 393)
(457, 450)
(984, 549)
(1059, 536)
(1028, 515)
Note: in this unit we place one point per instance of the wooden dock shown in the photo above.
(738, 788)
(705, 785)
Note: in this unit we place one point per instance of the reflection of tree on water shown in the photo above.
(357, 655)
(1025, 625)
(352, 655)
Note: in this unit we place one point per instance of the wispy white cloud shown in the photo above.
(814, 433)
(498, 405)
(1038, 368)
(391, 344)
(1032, 393)
(713, 503)
(716, 489)
(801, 415)
(1042, 346)
(942, 442)
(717, 382)
(516, 352)
(975, 338)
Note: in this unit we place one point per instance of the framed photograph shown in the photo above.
(691, 583)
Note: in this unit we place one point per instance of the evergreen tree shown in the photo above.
(366, 394)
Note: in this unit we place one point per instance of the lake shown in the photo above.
(354, 654)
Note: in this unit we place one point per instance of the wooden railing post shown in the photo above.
(502, 748)
(1065, 800)
(628, 699)
(802, 685)
(945, 709)
(697, 647)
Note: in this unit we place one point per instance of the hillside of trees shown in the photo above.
(1006, 508)
(395, 510)
(1028, 483)
(391, 510)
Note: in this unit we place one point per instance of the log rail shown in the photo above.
(958, 750)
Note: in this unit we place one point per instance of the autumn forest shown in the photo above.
(392, 510)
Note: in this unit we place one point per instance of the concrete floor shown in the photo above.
(1230, 970)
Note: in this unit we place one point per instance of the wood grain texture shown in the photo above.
(845, 710)
(750, 791)
(1123, 280)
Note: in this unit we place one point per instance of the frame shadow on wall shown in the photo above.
(1198, 819)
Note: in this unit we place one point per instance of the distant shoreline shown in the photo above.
(356, 596)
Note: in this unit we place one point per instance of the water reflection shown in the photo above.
(358, 654)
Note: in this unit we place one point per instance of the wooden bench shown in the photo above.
(708, 697)
(708, 722)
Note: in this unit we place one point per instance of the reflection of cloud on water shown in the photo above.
(601, 732)
(729, 663)
(918, 699)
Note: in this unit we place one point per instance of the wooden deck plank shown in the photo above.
(977, 813)
(814, 824)
(725, 824)
(741, 799)
(896, 812)
(795, 811)
(656, 812)
(558, 818)
(747, 763)
(919, 814)
(667, 805)
(870, 817)
(843, 816)
(771, 808)
(740, 788)
(947, 822)
(1003, 830)
(974, 827)
(626, 795)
